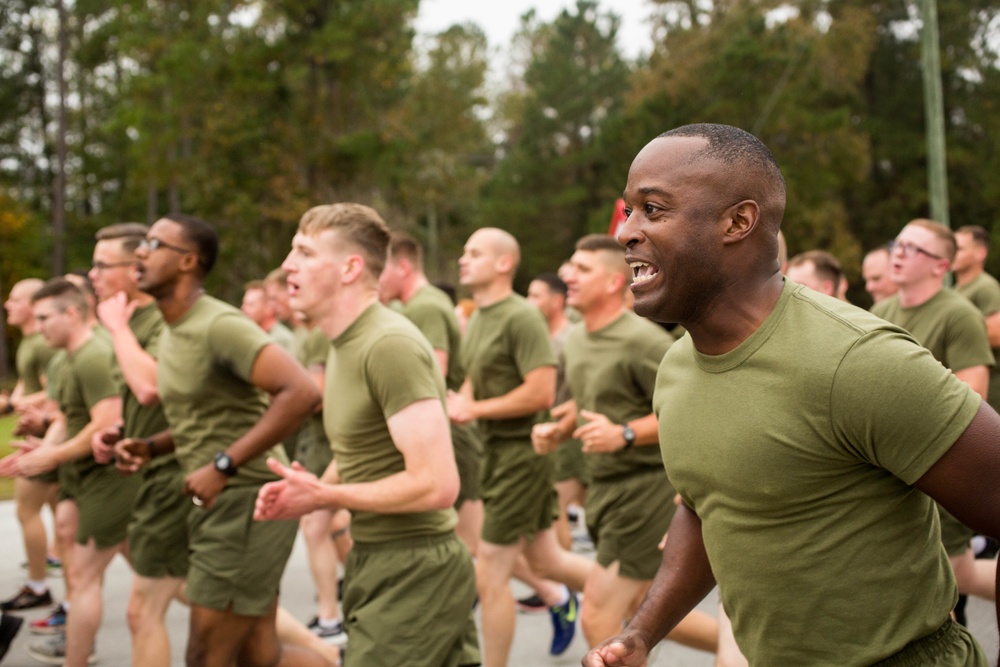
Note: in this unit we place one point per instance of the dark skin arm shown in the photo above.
(964, 480)
(294, 397)
(683, 580)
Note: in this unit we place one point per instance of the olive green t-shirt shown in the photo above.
(32, 360)
(433, 313)
(984, 293)
(283, 336)
(504, 342)
(142, 421)
(612, 371)
(82, 380)
(798, 451)
(379, 365)
(203, 378)
(946, 324)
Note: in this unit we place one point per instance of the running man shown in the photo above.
(804, 435)
(409, 587)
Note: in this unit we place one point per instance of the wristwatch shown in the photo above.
(629, 434)
(224, 464)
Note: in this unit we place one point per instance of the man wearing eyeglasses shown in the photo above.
(954, 331)
(215, 372)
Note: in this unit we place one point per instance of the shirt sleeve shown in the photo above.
(530, 342)
(896, 406)
(398, 356)
(234, 342)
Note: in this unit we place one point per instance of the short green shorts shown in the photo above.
(955, 535)
(410, 603)
(104, 498)
(627, 517)
(568, 463)
(157, 534)
(518, 496)
(468, 445)
(951, 645)
(50, 477)
(236, 563)
(314, 451)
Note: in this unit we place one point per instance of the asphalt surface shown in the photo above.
(531, 640)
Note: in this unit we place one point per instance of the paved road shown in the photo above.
(531, 639)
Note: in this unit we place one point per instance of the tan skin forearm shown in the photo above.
(536, 393)
(977, 377)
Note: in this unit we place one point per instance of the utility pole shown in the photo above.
(937, 175)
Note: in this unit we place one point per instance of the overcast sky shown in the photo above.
(500, 19)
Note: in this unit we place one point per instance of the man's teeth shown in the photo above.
(641, 272)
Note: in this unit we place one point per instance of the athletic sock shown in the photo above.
(563, 597)
(38, 587)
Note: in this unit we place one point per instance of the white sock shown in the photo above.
(38, 587)
(328, 622)
(564, 597)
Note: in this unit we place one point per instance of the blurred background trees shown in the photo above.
(247, 113)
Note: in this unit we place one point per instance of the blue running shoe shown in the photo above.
(563, 624)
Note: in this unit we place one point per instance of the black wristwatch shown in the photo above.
(629, 434)
(224, 464)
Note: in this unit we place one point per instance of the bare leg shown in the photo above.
(569, 491)
(30, 496)
(729, 654)
(549, 591)
(494, 568)
(975, 577)
(67, 519)
(87, 566)
(294, 636)
(470, 524)
(607, 599)
(549, 560)
(147, 608)
(322, 562)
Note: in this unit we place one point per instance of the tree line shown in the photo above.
(247, 113)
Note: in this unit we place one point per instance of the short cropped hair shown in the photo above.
(254, 284)
(827, 267)
(200, 234)
(979, 235)
(277, 277)
(553, 282)
(131, 234)
(943, 232)
(752, 172)
(404, 246)
(359, 225)
(605, 243)
(64, 293)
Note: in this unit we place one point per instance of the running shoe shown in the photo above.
(26, 599)
(563, 624)
(531, 604)
(54, 623)
(9, 625)
(52, 651)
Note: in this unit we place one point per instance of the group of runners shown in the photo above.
(805, 440)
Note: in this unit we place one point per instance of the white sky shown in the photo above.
(499, 19)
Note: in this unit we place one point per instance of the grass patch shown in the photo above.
(6, 426)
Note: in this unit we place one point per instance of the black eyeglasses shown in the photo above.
(152, 245)
(909, 249)
(104, 266)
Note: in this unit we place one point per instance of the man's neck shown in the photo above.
(963, 278)
(602, 314)
(494, 292)
(180, 300)
(30, 327)
(911, 296)
(346, 309)
(727, 320)
(412, 286)
(269, 324)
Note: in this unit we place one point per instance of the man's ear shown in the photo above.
(740, 220)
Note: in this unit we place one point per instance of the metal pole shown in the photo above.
(937, 175)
